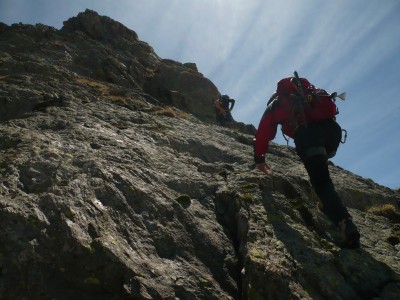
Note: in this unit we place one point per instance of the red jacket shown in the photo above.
(318, 106)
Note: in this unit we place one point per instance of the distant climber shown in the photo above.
(223, 107)
(307, 115)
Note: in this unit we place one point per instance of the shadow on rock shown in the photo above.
(321, 268)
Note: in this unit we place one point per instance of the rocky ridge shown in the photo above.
(116, 183)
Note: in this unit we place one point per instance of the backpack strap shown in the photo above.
(272, 98)
(299, 85)
(287, 139)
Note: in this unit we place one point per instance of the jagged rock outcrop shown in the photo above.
(182, 86)
(91, 46)
(116, 184)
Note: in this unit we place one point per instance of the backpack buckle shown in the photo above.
(308, 99)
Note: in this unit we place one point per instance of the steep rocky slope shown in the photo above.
(117, 184)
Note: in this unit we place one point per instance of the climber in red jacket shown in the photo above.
(307, 115)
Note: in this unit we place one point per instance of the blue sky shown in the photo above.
(245, 46)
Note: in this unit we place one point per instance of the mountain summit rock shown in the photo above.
(116, 183)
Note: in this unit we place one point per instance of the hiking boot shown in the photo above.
(320, 206)
(350, 234)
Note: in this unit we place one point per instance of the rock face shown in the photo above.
(117, 184)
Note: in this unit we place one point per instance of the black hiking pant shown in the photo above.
(315, 143)
(222, 119)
